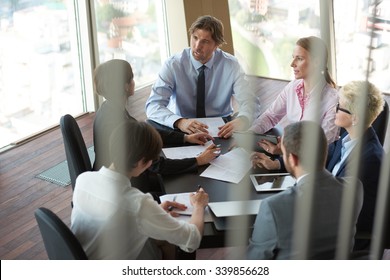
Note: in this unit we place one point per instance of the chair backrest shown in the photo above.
(381, 230)
(381, 122)
(59, 240)
(75, 148)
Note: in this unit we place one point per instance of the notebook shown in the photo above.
(184, 198)
(271, 182)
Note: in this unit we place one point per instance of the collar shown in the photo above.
(197, 64)
(318, 87)
(114, 175)
(301, 177)
(348, 143)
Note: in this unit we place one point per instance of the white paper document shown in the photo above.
(213, 124)
(229, 167)
(185, 151)
(235, 208)
(184, 198)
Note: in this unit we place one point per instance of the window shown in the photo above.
(265, 32)
(44, 70)
(353, 37)
(129, 30)
(39, 70)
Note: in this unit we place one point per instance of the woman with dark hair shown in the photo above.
(113, 220)
(114, 81)
(310, 96)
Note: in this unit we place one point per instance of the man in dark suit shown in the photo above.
(273, 232)
(342, 151)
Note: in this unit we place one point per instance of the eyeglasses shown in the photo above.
(338, 108)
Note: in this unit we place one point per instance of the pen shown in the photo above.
(198, 188)
(170, 208)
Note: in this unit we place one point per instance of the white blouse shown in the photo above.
(113, 220)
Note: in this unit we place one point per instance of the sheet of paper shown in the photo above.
(236, 160)
(229, 167)
(213, 124)
(215, 172)
(185, 151)
(184, 198)
(235, 208)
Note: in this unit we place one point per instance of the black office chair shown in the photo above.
(59, 240)
(381, 122)
(381, 230)
(75, 148)
(380, 238)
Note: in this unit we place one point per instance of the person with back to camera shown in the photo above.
(114, 80)
(273, 230)
(341, 151)
(298, 99)
(113, 220)
(173, 100)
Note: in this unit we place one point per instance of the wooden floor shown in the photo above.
(21, 193)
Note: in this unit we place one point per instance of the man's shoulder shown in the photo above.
(177, 61)
(282, 197)
(326, 176)
(180, 56)
(221, 55)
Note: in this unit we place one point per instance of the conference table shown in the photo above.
(222, 232)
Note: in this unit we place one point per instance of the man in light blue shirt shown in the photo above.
(173, 99)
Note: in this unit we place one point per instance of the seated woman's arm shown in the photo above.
(157, 223)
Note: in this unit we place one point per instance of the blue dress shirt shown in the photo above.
(346, 149)
(173, 95)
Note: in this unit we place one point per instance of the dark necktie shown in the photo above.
(200, 95)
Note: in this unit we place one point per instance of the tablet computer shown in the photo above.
(272, 181)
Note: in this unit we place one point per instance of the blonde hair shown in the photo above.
(352, 91)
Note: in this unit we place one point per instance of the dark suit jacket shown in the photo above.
(273, 230)
(106, 119)
(371, 159)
